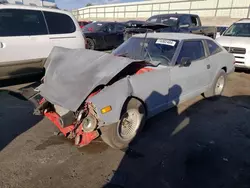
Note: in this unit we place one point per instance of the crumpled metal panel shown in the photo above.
(114, 95)
(72, 74)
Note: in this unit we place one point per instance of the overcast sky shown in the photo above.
(73, 4)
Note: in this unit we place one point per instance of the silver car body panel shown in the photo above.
(74, 74)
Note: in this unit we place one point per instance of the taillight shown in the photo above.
(90, 29)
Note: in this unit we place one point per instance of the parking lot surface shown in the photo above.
(201, 143)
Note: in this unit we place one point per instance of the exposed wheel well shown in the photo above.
(224, 68)
(136, 99)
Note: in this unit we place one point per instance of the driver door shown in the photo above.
(193, 79)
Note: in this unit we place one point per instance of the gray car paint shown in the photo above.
(114, 96)
(160, 89)
(75, 73)
(180, 84)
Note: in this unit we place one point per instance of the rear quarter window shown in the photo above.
(59, 23)
(213, 47)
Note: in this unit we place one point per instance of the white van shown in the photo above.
(28, 34)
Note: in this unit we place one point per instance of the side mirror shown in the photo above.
(185, 62)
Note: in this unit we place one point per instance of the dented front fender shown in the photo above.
(114, 95)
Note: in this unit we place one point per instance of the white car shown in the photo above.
(28, 34)
(236, 40)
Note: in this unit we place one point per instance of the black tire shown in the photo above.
(211, 92)
(110, 133)
(90, 44)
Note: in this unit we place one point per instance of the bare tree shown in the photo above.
(88, 4)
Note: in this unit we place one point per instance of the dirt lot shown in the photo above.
(200, 144)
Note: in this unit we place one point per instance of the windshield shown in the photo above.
(167, 20)
(238, 30)
(92, 27)
(153, 50)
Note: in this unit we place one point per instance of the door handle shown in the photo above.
(2, 45)
(208, 66)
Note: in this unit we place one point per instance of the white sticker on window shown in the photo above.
(166, 42)
(99, 24)
(173, 18)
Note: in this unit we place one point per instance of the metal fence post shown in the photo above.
(231, 9)
(216, 9)
(152, 9)
(248, 14)
(169, 6)
(137, 11)
(125, 10)
(190, 7)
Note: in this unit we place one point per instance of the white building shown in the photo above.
(212, 12)
(45, 3)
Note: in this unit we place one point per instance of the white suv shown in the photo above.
(28, 34)
(236, 40)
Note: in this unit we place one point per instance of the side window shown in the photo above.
(109, 28)
(154, 19)
(120, 27)
(184, 20)
(193, 50)
(59, 23)
(18, 22)
(194, 21)
(213, 47)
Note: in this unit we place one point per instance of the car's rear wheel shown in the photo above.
(90, 43)
(120, 134)
(218, 85)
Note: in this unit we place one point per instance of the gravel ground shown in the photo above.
(202, 143)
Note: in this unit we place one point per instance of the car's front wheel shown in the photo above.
(120, 134)
(218, 85)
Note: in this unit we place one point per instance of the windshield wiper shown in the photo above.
(147, 53)
(143, 46)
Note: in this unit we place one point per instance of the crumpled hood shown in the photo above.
(72, 74)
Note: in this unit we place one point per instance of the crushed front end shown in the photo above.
(80, 126)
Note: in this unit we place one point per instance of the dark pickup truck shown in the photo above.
(181, 23)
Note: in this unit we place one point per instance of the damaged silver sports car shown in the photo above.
(88, 94)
